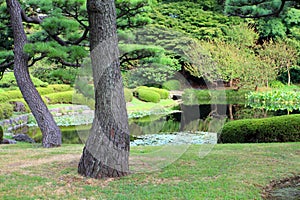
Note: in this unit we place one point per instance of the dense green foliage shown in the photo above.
(6, 110)
(9, 81)
(275, 129)
(275, 100)
(128, 95)
(148, 95)
(192, 96)
(60, 97)
(171, 85)
(56, 76)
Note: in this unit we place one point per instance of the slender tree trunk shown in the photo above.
(106, 151)
(51, 132)
(289, 76)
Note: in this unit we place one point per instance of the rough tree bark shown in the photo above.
(51, 132)
(107, 149)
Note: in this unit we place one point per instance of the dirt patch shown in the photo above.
(287, 188)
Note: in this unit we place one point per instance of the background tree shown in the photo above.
(51, 132)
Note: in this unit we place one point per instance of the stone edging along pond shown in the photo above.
(20, 121)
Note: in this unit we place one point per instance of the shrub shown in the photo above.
(128, 95)
(164, 94)
(148, 95)
(6, 110)
(275, 129)
(56, 76)
(6, 96)
(60, 97)
(60, 87)
(276, 84)
(171, 85)
(54, 88)
(82, 100)
(9, 80)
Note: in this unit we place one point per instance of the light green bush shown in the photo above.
(82, 100)
(164, 94)
(60, 97)
(128, 95)
(6, 110)
(60, 87)
(148, 95)
(9, 80)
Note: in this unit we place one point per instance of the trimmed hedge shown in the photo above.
(6, 110)
(60, 97)
(148, 95)
(171, 85)
(275, 129)
(128, 95)
(164, 94)
(6, 96)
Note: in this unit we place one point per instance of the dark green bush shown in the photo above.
(171, 85)
(275, 129)
(56, 76)
(128, 95)
(6, 110)
(148, 95)
(60, 97)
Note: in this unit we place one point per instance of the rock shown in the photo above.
(23, 138)
(8, 141)
(19, 106)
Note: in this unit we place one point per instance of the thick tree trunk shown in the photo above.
(107, 149)
(51, 132)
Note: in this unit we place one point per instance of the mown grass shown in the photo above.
(231, 171)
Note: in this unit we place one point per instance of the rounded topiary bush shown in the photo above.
(164, 94)
(275, 129)
(148, 95)
(171, 85)
(128, 95)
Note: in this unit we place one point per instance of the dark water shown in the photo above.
(191, 118)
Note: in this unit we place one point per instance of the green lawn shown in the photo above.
(231, 171)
